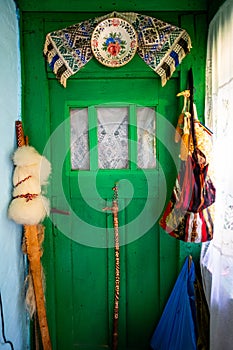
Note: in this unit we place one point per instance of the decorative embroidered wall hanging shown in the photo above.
(161, 45)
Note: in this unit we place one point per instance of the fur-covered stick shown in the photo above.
(29, 207)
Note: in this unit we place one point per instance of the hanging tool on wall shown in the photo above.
(115, 209)
(29, 207)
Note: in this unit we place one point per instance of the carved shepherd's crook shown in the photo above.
(115, 210)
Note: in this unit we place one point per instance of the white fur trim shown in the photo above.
(29, 213)
(31, 172)
(26, 155)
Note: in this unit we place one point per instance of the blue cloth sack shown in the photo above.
(176, 329)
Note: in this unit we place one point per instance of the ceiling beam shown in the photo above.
(112, 5)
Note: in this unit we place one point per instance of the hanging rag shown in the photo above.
(161, 45)
(188, 215)
(176, 329)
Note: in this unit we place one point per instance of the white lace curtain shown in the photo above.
(217, 258)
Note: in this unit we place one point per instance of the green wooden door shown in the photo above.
(78, 250)
(83, 240)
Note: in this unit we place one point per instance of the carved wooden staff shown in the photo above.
(115, 210)
(34, 254)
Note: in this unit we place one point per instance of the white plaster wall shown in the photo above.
(11, 257)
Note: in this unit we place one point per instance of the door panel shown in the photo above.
(89, 254)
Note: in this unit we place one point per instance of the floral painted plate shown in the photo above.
(114, 42)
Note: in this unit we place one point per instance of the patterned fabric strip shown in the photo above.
(162, 46)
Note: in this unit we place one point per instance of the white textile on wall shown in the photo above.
(217, 259)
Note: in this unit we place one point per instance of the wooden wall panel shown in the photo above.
(114, 5)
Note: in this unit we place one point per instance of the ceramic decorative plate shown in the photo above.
(114, 42)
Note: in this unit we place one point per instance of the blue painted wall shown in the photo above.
(11, 257)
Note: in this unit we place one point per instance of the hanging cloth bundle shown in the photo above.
(188, 215)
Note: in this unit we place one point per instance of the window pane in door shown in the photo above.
(146, 146)
(112, 138)
(79, 139)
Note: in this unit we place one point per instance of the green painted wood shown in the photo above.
(90, 289)
(196, 59)
(105, 181)
(33, 71)
(62, 289)
(213, 7)
(37, 127)
(119, 5)
(143, 304)
(80, 278)
(104, 90)
(168, 151)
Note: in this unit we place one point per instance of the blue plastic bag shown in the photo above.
(176, 329)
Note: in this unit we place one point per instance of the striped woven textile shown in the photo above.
(161, 45)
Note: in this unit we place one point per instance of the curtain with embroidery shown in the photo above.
(217, 256)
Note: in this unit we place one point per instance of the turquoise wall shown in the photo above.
(11, 257)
